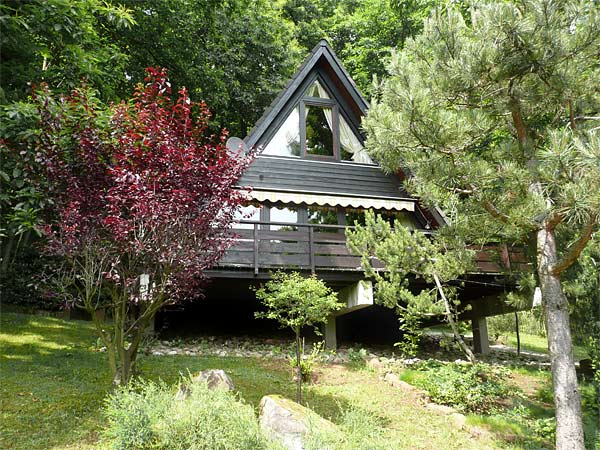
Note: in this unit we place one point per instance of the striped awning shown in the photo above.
(332, 200)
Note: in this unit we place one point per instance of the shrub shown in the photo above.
(307, 361)
(469, 388)
(147, 415)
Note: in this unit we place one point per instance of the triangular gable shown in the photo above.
(358, 185)
(322, 65)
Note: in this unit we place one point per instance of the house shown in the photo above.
(311, 180)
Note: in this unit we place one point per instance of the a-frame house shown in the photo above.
(310, 181)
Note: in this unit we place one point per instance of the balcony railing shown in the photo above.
(311, 247)
(318, 248)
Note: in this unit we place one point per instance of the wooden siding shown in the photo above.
(303, 175)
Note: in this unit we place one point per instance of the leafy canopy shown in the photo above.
(481, 106)
(296, 301)
(143, 197)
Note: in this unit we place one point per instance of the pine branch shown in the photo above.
(573, 252)
(494, 212)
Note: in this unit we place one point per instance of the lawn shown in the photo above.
(54, 380)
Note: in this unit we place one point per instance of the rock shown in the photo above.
(441, 409)
(214, 379)
(172, 352)
(459, 420)
(157, 353)
(374, 363)
(288, 422)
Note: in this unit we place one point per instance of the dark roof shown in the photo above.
(318, 177)
(287, 174)
(321, 59)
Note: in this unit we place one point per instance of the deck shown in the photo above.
(322, 249)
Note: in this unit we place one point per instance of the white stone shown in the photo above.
(441, 409)
(288, 422)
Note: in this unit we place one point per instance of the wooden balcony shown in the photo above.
(322, 249)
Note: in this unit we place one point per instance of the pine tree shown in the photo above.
(494, 113)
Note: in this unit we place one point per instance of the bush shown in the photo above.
(147, 415)
(469, 388)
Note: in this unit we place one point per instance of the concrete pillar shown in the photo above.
(330, 334)
(481, 342)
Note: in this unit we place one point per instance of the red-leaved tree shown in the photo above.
(144, 199)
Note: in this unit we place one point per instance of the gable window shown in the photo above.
(316, 129)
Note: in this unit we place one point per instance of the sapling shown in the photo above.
(297, 302)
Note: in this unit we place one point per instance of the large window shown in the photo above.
(315, 128)
(285, 215)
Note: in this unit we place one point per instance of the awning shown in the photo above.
(332, 200)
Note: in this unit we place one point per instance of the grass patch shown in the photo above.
(53, 384)
(539, 344)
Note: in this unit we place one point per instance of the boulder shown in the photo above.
(441, 409)
(288, 422)
(459, 420)
(374, 363)
(214, 379)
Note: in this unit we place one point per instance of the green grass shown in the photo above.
(53, 383)
(529, 406)
(530, 342)
(539, 344)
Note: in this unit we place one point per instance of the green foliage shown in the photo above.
(441, 116)
(530, 322)
(582, 287)
(296, 301)
(307, 361)
(363, 33)
(470, 388)
(503, 134)
(357, 357)
(234, 55)
(410, 325)
(62, 43)
(147, 415)
(407, 255)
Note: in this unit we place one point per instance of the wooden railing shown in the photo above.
(311, 247)
(318, 248)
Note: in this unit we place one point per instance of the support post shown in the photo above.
(481, 343)
(256, 249)
(330, 334)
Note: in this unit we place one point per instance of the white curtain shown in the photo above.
(348, 139)
(351, 144)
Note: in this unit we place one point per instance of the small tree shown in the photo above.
(296, 302)
(144, 200)
(407, 254)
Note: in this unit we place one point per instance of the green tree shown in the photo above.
(362, 32)
(61, 42)
(297, 302)
(406, 256)
(143, 198)
(494, 113)
(234, 55)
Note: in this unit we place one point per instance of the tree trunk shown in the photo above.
(298, 369)
(465, 348)
(567, 401)
(518, 333)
